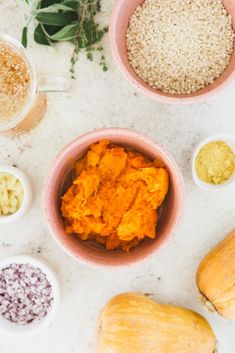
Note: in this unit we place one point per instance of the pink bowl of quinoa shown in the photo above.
(133, 55)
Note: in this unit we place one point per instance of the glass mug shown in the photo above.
(34, 108)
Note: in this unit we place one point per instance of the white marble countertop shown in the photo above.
(107, 100)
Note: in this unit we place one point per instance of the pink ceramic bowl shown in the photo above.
(58, 177)
(122, 11)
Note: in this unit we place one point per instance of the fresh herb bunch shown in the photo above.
(67, 21)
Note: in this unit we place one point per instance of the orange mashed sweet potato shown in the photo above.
(114, 197)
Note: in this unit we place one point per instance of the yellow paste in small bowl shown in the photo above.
(215, 162)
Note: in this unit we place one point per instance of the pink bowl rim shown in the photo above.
(154, 95)
(101, 134)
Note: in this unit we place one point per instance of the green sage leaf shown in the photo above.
(24, 39)
(56, 19)
(40, 37)
(49, 29)
(46, 3)
(73, 4)
(66, 33)
(55, 8)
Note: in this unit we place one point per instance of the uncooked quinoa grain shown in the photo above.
(25, 294)
(180, 46)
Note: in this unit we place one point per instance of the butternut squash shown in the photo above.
(133, 323)
(216, 277)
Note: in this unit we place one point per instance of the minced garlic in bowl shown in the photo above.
(15, 194)
(215, 162)
(11, 194)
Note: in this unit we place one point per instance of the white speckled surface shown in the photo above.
(104, 100)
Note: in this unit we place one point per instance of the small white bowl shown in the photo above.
(27, 193)
(230, 140)
(12, 328)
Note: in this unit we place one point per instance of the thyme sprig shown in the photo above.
(67, 21)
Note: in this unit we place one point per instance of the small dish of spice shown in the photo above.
(213, 162)
(15, 194)
(29, 294)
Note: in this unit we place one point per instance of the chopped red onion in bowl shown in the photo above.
(26, 295)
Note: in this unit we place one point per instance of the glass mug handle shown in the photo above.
(58, 85)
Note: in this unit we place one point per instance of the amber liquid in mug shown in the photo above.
(15, 88)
